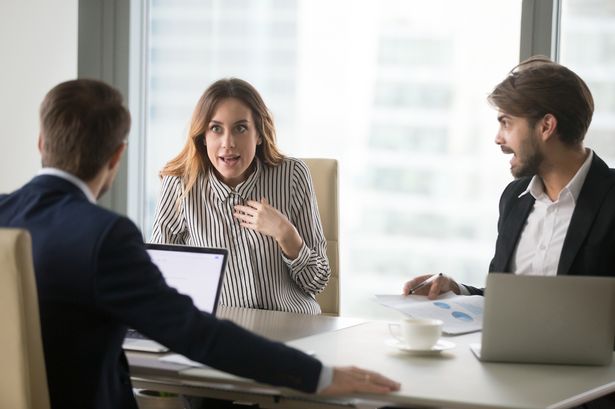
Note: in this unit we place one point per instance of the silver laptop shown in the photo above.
(194, 271)
(554, 320)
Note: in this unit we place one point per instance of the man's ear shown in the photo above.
(114, 161)
(41, 143)
(547, 127)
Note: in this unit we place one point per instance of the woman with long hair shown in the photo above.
(231, 187)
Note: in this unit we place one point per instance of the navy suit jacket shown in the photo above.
(590, 240)
(95, 278)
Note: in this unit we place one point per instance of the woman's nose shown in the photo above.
(228, 141)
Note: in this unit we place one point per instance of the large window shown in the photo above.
(588, 48)
(394, 89)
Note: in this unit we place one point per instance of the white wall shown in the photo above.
(38, 45)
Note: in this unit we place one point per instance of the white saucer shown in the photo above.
(440, 346)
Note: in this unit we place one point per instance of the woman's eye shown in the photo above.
(241, 128)
(215, 128)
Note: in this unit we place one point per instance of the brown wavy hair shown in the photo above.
(193, 159)
(537, 87)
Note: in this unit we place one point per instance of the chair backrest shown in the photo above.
(23, 379)
(324, 177)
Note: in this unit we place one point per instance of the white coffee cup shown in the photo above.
(417, 333)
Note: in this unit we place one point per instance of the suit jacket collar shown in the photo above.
(57, 184)
(511, 227)
(597, 184)
(71, 178)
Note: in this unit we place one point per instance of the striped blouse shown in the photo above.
(258, 275)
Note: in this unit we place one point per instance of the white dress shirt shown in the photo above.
(540, 245)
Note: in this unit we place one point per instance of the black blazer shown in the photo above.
(590, 240)
(95, 278)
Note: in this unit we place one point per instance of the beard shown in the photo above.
(530, 159)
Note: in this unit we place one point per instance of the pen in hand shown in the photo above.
(424, 283)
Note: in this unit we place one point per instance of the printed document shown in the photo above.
(459, 313)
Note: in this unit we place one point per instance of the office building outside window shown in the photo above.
(588, 48)
(394, 89)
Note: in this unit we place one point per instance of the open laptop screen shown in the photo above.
(197, 272)
(194, 271)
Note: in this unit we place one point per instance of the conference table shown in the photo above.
(453, 378)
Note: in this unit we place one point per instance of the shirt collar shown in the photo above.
(223, 191)
(70, 178)
(536, 187)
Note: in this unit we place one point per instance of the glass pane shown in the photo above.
(588, 48)
(393, 89)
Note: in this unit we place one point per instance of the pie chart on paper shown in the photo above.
(462, 316)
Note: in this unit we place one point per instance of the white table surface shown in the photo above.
(455, 378)
(451, 379)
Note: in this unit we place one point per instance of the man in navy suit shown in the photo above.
(95, 278)
(558, 216)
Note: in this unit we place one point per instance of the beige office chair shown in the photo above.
(23, 379)
(324, 176)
